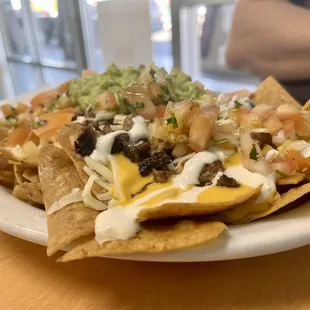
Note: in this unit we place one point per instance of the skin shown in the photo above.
(270, 37)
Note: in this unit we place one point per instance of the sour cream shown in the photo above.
(192, 169)
(104, 146)
(139, 129)
(116, 224)
(253, 179)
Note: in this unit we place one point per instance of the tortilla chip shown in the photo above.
(306, 107)
(66, 137)
(7, 179)
(154, 237)
(242, 213)
(58, 177)
(194, 209)
(5, 157)
(28, 192)
(272, 93)
(291, 179)
(243, 93)
(18, 173)
(285, 199)
(31, 175)
(249, 212)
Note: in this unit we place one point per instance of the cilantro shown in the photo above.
(172, 120)
(237, 104)
(164, 96)
(221, 141)
(282, 174)
(39, 123)
(10, 118)
(152, 72)
(138, 105)
(253, 153)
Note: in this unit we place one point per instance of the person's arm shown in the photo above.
(270, 37)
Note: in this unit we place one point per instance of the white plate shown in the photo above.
(271, 235)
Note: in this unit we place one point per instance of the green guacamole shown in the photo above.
(83, 91)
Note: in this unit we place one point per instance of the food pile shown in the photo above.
(150, 161)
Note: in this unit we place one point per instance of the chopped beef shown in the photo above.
(128, 122)
(119, 142)
(262, 138)
(136, 152)
(105, 129)
(156, 160)
(86, 142)
(161, 176)
(226, 181)
(209, 171)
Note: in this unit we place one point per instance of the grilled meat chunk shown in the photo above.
(119, 143)
(161, 176)
(262, 138)
(226, 181)
(86, 142)
(156, 160)
(136, 152)
(209, 171)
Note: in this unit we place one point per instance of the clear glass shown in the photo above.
(161, 36)
(25, 77)
(91, 31)
(54, 77)
(12, 28)
(55, 41)
(203, 35)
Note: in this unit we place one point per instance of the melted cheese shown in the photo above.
(128, 177)
(220, 195)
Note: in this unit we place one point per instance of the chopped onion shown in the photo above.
(90, 172)
(100, 168)
(179, 150)
(75, 196)
(105, 196)
(246, 142)
(278, 138)
(104, 115)
(88, 199)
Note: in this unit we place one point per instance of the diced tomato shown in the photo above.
(137, 95)
(286, 165)
(7, 110)
(287, 112)
(262, 110)
(302, 127)
(55, 120)
(106, 101)
(18, 135)
(62, 88)
(160, 110)
(202, 128)
(180, 111)
(21, 108)
(45, 98)
(289, 130)
(303, 164)
(272, 123)
(251, 120)
(238, 115)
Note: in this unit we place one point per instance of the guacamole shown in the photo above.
(178, 86)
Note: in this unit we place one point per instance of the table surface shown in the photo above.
(31, 280)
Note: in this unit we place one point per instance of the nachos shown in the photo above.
(150, 161)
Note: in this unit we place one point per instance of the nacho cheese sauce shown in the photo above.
(121, 222)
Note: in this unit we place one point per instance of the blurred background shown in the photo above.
(50, 41)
